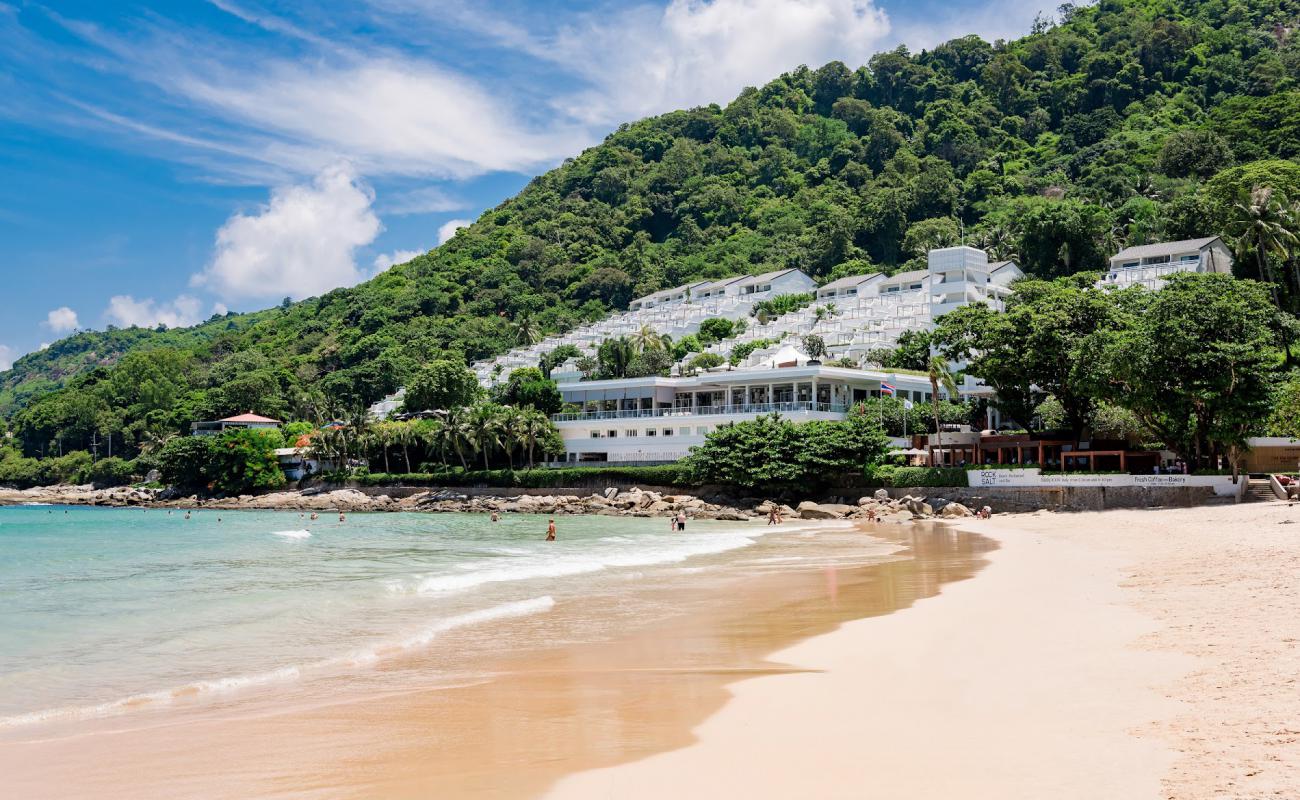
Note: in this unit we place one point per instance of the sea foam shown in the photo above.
(659, 550)
(234, 683)
(292, 534)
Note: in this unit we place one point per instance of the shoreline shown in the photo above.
(594, 703)
(612, 501)
(1118, 654)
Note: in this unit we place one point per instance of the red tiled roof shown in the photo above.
(249, 417)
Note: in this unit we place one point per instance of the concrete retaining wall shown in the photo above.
(1064, 498)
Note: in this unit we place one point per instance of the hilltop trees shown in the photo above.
(1104, 129)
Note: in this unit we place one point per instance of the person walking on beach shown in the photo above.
(681, 521)
(550, 531)
(771, 516)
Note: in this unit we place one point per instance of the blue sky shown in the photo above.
(160, 162)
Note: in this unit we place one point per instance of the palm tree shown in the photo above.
(615, 355)
(534, 425)
(648, 339)
(484, 429)
(383, 437)
(437, 438)
(939, 375)
(1261, 225)
(155, 441)
(527, 331)
(405, 436)
(455, 430)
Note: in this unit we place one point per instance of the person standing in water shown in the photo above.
(550, 531)
(342, 518)
(496, 517)
(681, 520)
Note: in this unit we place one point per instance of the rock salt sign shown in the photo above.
(1029, 477)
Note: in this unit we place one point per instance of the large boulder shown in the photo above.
(810, 510)
(956, 510)
(882, 494)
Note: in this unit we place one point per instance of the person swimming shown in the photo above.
(314, 515)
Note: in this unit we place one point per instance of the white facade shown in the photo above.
(1151, 265)
(960, 276)
(660, 419)
(774, 284)
(852, 286)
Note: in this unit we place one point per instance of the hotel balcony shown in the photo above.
(805, 407)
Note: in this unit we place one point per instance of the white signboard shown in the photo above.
(1033, 477)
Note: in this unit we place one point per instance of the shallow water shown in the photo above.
(476, 660)
(105, 611)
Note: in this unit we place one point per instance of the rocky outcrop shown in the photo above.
(634, 502)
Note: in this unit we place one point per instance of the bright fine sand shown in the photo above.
(1123, 654)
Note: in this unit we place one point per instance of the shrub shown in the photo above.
(781, 304)
(928, 476)
(185, 462)
(770, 452)
(111, 471)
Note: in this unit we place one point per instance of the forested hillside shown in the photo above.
(1125, 122)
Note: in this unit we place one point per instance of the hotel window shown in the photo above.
(612, 435)
(631, 433)
(668, 431)
(684, 431)
(595, 434)
(701, 430)
(651, 431)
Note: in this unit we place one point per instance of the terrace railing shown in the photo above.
(705, 411)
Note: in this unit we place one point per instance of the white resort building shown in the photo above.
(658, 419)
(1150, 265)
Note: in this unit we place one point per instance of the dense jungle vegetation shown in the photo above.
(1121, 123)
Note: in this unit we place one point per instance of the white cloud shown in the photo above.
(62, 320)
(695, 52)
(124, 311)
(385, 260)
(388, 116)
(425, 200)
(7, 357)
(300, 244)
(448, 229)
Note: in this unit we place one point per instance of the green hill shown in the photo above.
(1054, 149)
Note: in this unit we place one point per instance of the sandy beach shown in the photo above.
(1122, 654)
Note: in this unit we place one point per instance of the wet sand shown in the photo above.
(541, 715)
(1122, 654)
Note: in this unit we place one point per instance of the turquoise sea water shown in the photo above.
(103, 611)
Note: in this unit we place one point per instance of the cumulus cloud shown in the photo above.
(385, 260)
(694, 52)
(300, 244)
(7, 357)
(62, 320)
(448, 229)
(125, 311)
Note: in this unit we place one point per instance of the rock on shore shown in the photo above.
(633, 502)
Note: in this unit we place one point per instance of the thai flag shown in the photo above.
(886, 388)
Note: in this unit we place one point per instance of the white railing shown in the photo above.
(704, 411)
